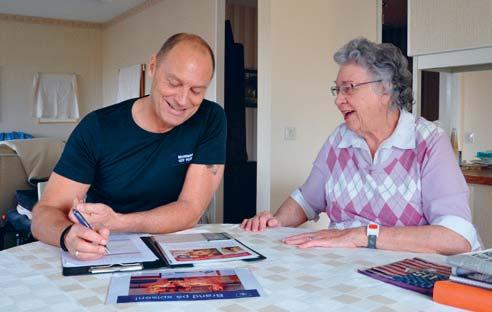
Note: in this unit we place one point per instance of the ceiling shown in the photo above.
(98, 11)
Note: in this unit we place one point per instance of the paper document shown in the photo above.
(183, 286)
(477, 261)
(124, 248)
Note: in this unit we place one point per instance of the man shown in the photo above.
(146, 165)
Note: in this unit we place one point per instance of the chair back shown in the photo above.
(41, 187)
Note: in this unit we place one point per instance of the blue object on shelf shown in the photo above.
(15, 135)
(484, 154)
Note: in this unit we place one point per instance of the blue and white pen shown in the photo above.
(84, 222)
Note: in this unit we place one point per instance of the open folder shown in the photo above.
(133, 252)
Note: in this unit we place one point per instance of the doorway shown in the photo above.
(240, 105)
(394, 30)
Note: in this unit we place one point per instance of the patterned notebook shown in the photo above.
(414, 274)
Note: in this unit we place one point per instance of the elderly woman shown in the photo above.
(386, 179)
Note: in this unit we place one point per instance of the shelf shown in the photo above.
(478, 176)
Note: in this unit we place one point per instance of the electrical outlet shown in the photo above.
(290, 133)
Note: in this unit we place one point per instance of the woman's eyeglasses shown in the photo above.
(348, 89)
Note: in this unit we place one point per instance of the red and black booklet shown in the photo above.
(413, 274)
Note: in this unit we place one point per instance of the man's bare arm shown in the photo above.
(50, 215)
(200, 183)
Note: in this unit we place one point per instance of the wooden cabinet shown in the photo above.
(481, 206)
(480, 185)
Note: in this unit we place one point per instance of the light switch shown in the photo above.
(290, 133)
(469, 137)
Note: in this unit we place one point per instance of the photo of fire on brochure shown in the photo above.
(202, 248)
(183, 286)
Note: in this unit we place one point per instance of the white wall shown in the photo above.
(26, 48)
(295, 72)
(477, 111)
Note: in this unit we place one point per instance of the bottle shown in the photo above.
(454, 144)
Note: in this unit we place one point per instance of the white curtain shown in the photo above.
(55, 96)
(129, 82)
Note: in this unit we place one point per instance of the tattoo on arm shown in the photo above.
(213, 168)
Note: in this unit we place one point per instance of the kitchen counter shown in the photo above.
(478, 175)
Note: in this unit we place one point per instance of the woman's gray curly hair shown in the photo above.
(384, 61)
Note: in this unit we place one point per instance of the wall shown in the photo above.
(26, 48)
(133, 39)
(477, 111)
(436, 25)
(295, 72)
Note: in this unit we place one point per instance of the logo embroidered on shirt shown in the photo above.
(185, 158)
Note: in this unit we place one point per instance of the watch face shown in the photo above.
(373, 229)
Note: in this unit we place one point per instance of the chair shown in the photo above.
(23, 163)
(40, 188)
(12, 177)
(19, 219)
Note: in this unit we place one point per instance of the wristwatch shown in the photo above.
(372, 234)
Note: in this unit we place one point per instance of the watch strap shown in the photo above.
(62, 237)
(371, 241)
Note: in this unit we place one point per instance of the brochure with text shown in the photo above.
(183, 286)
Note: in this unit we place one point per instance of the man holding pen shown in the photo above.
(144, 165)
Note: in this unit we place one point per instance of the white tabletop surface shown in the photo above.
(318, 279)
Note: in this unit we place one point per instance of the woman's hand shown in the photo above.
(260, 222)
(347, 238)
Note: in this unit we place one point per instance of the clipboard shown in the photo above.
(113, 268)
(161, 262)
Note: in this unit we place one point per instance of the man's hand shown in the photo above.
(99, 216)
(348, 238)
(86, 244)
(260, 222)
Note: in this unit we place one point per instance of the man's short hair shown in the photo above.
(185, 37)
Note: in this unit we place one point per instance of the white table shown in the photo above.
(318, 279)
